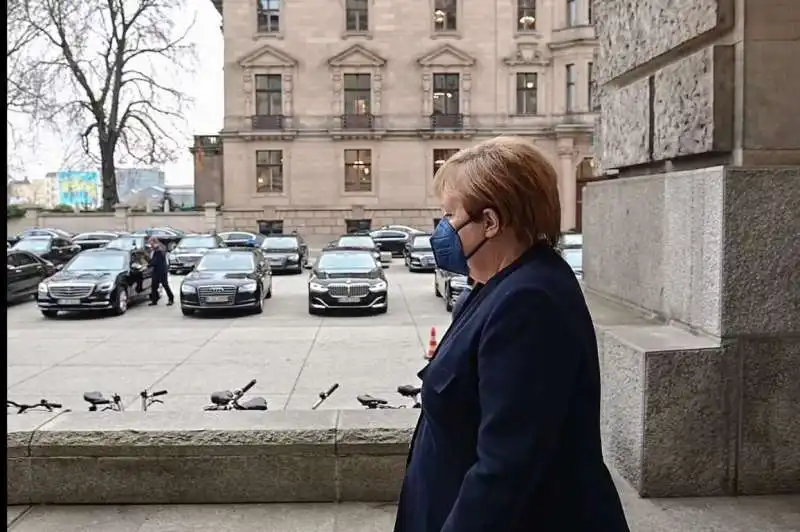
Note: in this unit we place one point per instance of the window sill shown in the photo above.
(268, 194)
(356, 35)
(446, 34)
(531, 115)
(268, 35)
(527, 34)
(358, 193)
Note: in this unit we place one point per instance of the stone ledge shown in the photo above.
(211, 457)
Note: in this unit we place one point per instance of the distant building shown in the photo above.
(182, 196)
(131, 180)
(28, 192)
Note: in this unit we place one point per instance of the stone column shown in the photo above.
(699, 117)
(32, 216)
(121, 217)
(210, 216)
(567, 184)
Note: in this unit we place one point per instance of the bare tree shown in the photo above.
(113, 67)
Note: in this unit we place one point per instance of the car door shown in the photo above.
(140, 257)
(14, 276)
(30, 271)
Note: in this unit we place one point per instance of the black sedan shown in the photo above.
(449, 286)
(95, 239)
(168, 236)
(128, 242)
(24, 273)
(285, 252)
(227, 279)
(342, 279)
(190, 250)
(390, 240)
(359, 243)
(419, 254)
(97, 279)
(38, 231)
(241, 239)
(57, 250)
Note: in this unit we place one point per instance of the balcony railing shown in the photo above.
(207, 141)
(361, 122)
(572, 34)
(266, 122)
(450, 121)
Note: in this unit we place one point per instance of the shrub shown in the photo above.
(14, 211)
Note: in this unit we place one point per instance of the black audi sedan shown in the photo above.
(58, 250)
(449, 286)
(241, 239)
(97, 279)
(227, 279)
(95, 239)
(343, 279)
(419, 254)
(285, 252)
(190, 250)
(24, 273)
(390, 240)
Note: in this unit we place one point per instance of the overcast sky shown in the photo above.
(204, 118)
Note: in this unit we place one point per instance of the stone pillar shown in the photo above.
(567, 183)
(210, 216)
(699, 116)
(121, 217)
(32, 216)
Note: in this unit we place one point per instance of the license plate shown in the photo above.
(276, 262)
(350, 299)
(217, 299)
(67, 302)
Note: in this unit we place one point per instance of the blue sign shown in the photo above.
(79, 189)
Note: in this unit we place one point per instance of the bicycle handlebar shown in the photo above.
(42, 403)
(144, 394)
(160, 392)
(330, 390)
(248, 386)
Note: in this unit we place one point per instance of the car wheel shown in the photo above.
(50, 313)
(269, 292)
(258, 308)
(121, 301)
(448, 299)
(436, 288)
(187, 311)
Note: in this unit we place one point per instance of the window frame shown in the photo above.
(362, 163)
(445, 90)
(264, 11)
(268, 92)
(438, 154)
(590, 85)
(451, 10)
(523, 93)
(525, 8)
(570, 94)
(571, 15)
(358, 90)
(269, 186)
(361, 14)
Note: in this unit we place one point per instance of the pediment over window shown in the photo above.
(527, 54)
(357, 56)
(446, 56)
(267, 56)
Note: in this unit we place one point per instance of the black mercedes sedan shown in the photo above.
(419, 254)
(190, 250)
(169, 236)
(40, 231)
(57, 250)
(343, 279)
(227, 279)
(97, 279)
(24, 273)
(287, 253)
(241, 239)
(95, 239)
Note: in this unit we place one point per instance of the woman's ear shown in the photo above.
(491, 223)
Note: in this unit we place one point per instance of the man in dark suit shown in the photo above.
(508, 438)
(160, 265)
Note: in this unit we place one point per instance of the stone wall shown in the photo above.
(698, 118)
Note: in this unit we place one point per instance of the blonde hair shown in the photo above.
(509, 175)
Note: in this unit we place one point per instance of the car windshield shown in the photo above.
(571, 241)
(127, 242)
(344, 261)
(98, 262)
(34, 245)
(356, 242)
(197, 242)
(422, 243)
(574, 257)
(226, 262)
(283, 242)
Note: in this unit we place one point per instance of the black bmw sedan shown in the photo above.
(227, 279)
(342, 279)
(97, 279)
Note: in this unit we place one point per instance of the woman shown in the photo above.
(160, 265)
(509, 434)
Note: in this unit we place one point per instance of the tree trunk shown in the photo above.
(108, 170)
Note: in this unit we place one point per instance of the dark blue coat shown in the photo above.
(159, 263)
(509, 433)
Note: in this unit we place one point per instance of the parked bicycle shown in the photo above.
(115, 404)
(232, 400)
(43, 404)
(376, 403)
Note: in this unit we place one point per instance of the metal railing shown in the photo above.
(452, 121)
(266, 122)
(362, 122)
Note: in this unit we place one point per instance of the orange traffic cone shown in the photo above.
(432, 344)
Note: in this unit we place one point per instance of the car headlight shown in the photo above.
(105, 287)
(380, 286)
(42, 288)
(294, 258)
(248, 287)
(188, 289)
(316, 287)
(416, 257)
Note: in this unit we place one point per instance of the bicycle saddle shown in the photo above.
(256, 403)
(407, 390)
(367, 400)
(95, 398)
(222, 398)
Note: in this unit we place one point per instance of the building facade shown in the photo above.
(346, 110)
